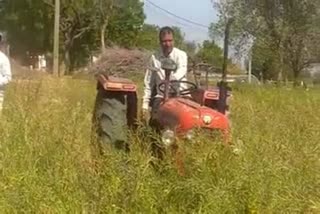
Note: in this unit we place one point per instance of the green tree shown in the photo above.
(284, 27)
(30, 25)
(104, 10)
(27, 25)
(148, 37)
(179, 37)
(76, 19)
(190, 47)
(210, 52)
(126, 24)
(85, 26)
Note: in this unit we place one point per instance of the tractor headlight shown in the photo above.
(168, 137)
(207, 119)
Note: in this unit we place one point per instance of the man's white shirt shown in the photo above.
(154, 78)
(5, 70)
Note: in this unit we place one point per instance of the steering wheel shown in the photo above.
(188, 90)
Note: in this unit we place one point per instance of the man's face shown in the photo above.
(166, 42)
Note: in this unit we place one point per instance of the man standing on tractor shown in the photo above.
(152, 96)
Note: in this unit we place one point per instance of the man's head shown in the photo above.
(166, 38)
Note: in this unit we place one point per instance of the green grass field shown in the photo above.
(46, 166)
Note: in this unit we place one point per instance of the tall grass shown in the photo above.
(46, 165)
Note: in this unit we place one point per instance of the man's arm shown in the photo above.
(148, 86)
(182, 63)
(5, 71)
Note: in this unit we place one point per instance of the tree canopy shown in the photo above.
(88, 27)
(85, 26)
(282, 32)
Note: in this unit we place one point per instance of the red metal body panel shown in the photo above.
(201, 95)
(181, 115)
(116, 84)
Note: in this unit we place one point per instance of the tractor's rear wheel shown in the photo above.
(110, 120)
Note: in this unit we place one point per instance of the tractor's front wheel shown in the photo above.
(110, 120)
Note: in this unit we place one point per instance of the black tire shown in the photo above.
(110, 119)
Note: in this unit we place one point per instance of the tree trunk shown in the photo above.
(62, 68)
(67, 59)
(296, 77)
(103, 35)
(280, 74)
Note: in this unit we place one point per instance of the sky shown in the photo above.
(199, 11)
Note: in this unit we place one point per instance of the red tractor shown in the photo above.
(182, 112)
(179, 114)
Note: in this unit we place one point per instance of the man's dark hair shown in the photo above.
(165, 30)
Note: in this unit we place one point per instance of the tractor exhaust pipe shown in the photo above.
(223, 85)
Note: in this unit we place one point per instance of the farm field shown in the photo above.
(46, 164)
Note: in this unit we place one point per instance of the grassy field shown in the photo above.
(46, 166)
